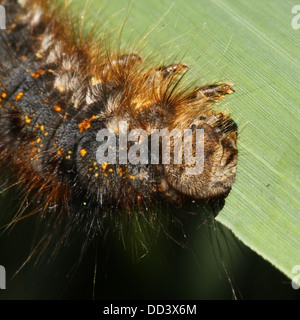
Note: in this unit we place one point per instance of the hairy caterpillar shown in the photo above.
(58, 91)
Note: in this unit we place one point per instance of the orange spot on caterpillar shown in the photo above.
(104, 165)
(86, 124)
(83, 152)
(19, 96)
(38, 55)
(27, 119)
(38, 73)
(38, 140)
(57, 108)
(4, 95)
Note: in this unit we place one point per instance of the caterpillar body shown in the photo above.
(58, 89)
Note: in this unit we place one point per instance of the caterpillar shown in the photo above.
(59, 89)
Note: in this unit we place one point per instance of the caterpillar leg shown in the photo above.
(173, 70)
(169, 73)
(212, 92)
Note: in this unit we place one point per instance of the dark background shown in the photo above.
(168, 271)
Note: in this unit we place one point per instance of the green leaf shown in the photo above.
(252, 45)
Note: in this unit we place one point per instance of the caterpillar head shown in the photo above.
(208, 167)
